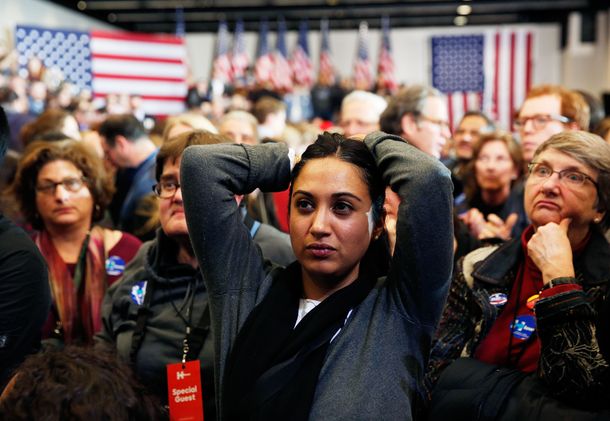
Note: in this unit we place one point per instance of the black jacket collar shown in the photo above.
(592, 263)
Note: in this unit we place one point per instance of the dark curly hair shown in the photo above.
(77, 384)
(38, 154)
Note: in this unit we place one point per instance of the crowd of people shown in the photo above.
(365, 263)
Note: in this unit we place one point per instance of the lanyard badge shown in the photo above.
(184, 389)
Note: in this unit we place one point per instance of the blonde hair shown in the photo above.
(194, 121)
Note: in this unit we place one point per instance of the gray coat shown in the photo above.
(374, 366)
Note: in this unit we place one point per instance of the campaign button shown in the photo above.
(138, 291)
(115, 266)
(498, 299)
(523, 327)
(531, 301)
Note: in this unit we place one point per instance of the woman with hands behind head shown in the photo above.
(534, 310)
(323, 338)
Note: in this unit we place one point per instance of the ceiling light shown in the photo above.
(82, 5)
(460, 20)
(112, 17)
(464, 9)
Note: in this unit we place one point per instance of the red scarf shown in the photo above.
(77, 306)
(500, 346)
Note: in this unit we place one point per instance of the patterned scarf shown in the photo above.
(78, 298)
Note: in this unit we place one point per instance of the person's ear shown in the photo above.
(408, 124)
(121, 143)
(599, 217)
(380, 225)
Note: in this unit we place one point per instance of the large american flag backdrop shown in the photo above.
(491, 72)
(151, 66)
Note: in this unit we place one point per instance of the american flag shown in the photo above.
(363, 78)
(239, 58)
(150, 66)
(491, 72)
(302, 68)
(180, 24)
(326, 71)
(385, 67)
(264, 61)
(281, 76)
(221, 68)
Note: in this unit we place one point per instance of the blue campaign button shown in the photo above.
(523, 327)
(138, 290)
(115, 265)
(498, 299)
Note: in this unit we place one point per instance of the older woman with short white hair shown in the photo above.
(533, 314)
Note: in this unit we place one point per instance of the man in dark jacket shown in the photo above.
(130, 150)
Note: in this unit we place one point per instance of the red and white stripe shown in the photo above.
(385, 70)
(302, 68)
(151, 66)
(263, 68)
(281, 74)
(326, 69)
(508, 77)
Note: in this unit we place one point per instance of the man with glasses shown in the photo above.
(418, 114)
(547, 110)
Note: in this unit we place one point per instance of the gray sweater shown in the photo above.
(374, 366)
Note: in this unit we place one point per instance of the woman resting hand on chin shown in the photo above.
(532, 313)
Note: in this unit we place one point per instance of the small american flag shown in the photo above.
(281, 76)
(363, 78)
(385, 67)
(489, 72)
(264, 62)
(180, 24)
(221, 69)
(302, 68)
(239, 58)
(150, 66)
(326, 72)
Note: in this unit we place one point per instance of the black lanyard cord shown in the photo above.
(195, 337)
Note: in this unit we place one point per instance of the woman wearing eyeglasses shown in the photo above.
(146, 314)
(62, 190)
(532, 314)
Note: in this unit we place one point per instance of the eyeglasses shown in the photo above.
(571, 178)
(539, 121)
(440, 123)
(71, 184)
(166, 189)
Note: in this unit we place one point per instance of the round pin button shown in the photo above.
(498, 299)
(523, 327)
(115, 265)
